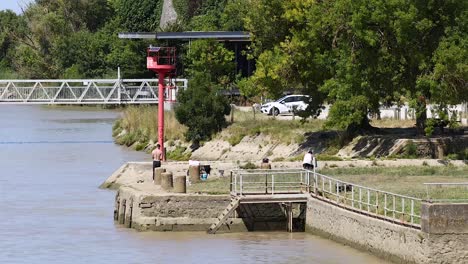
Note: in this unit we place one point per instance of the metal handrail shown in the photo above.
(388, 206)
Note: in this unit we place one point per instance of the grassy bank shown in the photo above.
(278, 129)
(138, 126)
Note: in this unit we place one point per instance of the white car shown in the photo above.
(286, 104)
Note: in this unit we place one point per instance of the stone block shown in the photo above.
(444, 218)
(194, 174)
(180, 184)
(157, 175)
(167, 181)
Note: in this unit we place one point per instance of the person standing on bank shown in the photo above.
(157, 157)
(309, 160)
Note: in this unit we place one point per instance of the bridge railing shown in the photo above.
(387, 206)
(85, 91)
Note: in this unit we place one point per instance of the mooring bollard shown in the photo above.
(128, 214)
(166, 181)
(157, 175)
(180, 184)
(194, 174)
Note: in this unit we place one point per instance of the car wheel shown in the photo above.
(276, 111)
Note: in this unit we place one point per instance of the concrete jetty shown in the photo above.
(441, 237)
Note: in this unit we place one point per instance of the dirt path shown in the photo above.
(168, 15)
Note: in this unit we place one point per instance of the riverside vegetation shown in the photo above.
(137, 128)
(355, 56)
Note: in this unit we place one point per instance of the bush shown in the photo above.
(325, 157)
(248, 166)
(179, 153)
(411, 150)
(202, 109)
(235, 139)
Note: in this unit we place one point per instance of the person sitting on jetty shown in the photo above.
(265, 165)
(157, 157)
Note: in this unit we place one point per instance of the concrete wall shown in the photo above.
(443, 218)
(398, 243)
(376, 236)
(144, 211)
(173, 212)
(447, 226)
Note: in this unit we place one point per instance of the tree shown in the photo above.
(213, 58)
(201, 108)
(48, 25)
(138, 15)
(359, 55)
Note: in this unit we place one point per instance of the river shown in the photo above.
(52, 161)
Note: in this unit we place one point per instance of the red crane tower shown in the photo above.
(161, 60)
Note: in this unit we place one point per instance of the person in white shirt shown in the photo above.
(309, 160)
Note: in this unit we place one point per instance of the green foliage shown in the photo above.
(248, 166)
(138, 15)
(346, 113)
(235, 138)
(213, 58)
(325, 157)
(431, 123)
(201, 108)
(377, 50)
(355, 55)
(140, 146)
(179, 153)
(184, 9)
(411, 150)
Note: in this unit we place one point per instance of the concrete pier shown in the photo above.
(442, 237)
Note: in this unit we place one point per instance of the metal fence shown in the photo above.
(268, 181)
(388, 206)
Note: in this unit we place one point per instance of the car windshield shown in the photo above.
(282, 98)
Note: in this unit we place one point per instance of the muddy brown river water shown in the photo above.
(51, 164)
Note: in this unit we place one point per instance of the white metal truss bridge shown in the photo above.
(87, 91)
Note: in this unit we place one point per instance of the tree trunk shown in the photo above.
(421, 115)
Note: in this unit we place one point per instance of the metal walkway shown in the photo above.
(92, 91)
(289, 186)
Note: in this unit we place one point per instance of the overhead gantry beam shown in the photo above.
(189, 35)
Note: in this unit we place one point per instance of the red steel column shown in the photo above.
(161, 112)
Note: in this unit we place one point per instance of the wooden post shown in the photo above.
(290, 217)
(253, 108)
(265, 166)
(232, 113)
